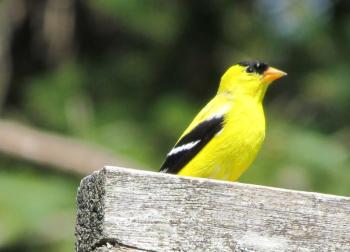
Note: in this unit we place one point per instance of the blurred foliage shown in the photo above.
(36, 209)
(141, 70)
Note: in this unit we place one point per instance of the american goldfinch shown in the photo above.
(225, 137)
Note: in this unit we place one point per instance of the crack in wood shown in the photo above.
(114, 243)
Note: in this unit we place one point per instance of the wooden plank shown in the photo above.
(131, 210)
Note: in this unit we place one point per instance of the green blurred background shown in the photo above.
(87, 83)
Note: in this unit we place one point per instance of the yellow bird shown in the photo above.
(225, 137)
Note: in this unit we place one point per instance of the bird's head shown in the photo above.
(249, 78)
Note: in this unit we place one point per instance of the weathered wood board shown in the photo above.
(131, 210)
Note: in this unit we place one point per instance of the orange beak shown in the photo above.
(272, 74)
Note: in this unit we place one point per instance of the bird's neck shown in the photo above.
(257, 95)
(261, 94)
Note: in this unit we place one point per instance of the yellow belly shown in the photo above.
(233, 149)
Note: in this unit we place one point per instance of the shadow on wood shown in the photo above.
(131, 210)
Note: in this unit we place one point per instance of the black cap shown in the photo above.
(254, 66)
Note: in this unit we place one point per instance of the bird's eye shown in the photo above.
(250, 69)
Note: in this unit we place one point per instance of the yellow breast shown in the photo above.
(233, 149)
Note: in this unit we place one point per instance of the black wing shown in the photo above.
(192, 143)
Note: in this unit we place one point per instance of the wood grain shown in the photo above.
(131, 210)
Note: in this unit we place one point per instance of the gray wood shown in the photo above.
(131, 210)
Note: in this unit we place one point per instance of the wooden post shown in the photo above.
(131, 210)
